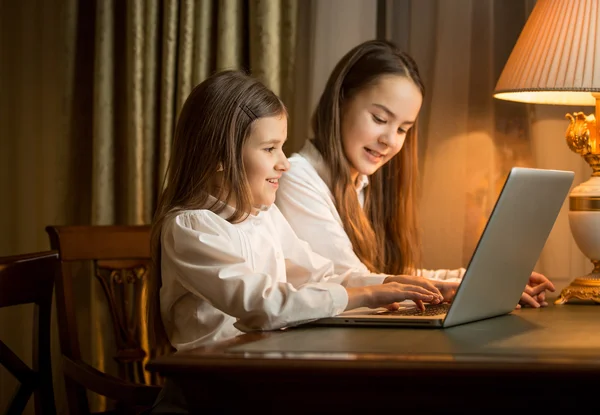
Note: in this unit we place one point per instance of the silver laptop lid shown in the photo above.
(510, 244)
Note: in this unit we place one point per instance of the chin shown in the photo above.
(368, 170)
(266, 203)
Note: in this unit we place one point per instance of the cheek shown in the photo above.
(259, 172)
(401, 141)
(356, 134)
(398, 147)
(252, 172)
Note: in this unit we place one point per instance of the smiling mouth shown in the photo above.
(374, 153)
(273, 181)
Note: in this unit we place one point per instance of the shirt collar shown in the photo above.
(362, 181)
(310, 152)
(228, 210)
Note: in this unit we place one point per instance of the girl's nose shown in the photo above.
(282, 164)
(388, 139)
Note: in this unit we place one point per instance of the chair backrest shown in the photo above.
(29, 279)
(120, 256)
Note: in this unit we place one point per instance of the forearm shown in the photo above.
(441, 274)
(358, 279)
(308, 303)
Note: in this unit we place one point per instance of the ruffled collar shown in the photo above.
(228, 210)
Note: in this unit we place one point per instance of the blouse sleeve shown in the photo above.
(442, 274)
(303, 265)
(202, 249)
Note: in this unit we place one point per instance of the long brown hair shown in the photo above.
(385, 234)
(214, 123)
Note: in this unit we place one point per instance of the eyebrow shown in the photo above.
(273, 141)
(390, 113)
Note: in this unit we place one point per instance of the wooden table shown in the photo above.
(537, 359)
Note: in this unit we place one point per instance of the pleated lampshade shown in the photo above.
(556, 59)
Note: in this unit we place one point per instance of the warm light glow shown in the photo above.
(556, 59)
(549, 97)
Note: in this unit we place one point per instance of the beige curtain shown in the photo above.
(148, 56)
(469, 140)
(90, 97)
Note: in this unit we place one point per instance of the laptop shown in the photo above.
(501, 264)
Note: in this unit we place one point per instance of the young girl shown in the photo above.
(228, 260)
(351, 191)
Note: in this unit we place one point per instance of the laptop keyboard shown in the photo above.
(430, 310)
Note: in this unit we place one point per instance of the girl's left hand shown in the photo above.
(447, 288)
(535, 291)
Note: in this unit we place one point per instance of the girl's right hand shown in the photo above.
(383, 295)
(414, 280)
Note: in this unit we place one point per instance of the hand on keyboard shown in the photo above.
(430, 310)
(447, 289)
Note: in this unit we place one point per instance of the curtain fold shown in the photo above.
(134, 78)
(150, 105)
(203, 31)
(103, 134)
(230, 27)
(264, 42)
(167, 83)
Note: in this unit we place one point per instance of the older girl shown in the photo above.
(351, 191)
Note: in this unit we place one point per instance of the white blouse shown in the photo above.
(306, 201)
(219, 278)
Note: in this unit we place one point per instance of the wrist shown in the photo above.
(401, 279)
(358, 297)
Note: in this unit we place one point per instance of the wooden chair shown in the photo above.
(29, 279)
(121, 259)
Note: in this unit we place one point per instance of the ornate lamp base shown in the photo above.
(583, 288)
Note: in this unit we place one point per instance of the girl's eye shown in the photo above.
(401, 131)
(270, 149)
(378, 120)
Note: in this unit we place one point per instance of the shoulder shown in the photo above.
(300, 168)
(199, 234)
(196, 221)
(302, 174)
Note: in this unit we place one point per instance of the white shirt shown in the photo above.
(219, 278)
(305, 199)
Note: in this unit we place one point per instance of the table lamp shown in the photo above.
(556, 60)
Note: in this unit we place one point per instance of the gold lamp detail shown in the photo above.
(556, 60)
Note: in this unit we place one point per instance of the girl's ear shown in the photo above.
(220, 166)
